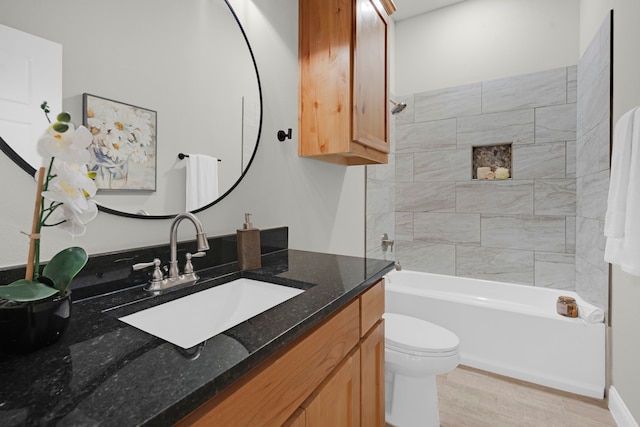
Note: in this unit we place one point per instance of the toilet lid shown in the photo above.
(416, 336)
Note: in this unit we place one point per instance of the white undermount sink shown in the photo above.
(192, 319)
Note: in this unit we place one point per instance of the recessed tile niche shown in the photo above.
(491, 156)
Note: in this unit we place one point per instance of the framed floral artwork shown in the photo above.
(123, 146)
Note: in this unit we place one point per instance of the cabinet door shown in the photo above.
(325, 77)
(370, 117)
(337, 402)
(298, 419)
(372, 378)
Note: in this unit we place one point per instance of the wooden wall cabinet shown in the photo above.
(333, 376)
(343, 85)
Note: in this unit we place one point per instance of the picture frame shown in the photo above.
(124, 144)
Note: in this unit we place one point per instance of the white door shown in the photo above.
(30, 73)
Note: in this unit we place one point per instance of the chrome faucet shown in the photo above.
(201, 240)
(158, 281)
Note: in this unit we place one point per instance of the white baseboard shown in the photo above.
(619, 410)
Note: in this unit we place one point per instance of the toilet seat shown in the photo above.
(410, 335)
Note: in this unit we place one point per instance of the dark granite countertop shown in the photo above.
(105, 372)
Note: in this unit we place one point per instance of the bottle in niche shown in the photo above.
(248, 240)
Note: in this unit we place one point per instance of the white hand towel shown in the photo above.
(590, 313)
(618, 186)
(202, 181)
(622, 228)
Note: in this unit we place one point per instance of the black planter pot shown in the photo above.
(28, 326)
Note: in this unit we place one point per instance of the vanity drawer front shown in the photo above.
(371, 307)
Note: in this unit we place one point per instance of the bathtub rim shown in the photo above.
(448, 295)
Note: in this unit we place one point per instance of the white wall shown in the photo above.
(479, 40)
(391, 52)
(592, 13)
(323, 204)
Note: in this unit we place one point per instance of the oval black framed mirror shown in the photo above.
(190, 62)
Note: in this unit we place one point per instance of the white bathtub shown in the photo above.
(511, 330)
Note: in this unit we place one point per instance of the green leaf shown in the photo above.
(64, 266)
(59, 272)
(25, 290)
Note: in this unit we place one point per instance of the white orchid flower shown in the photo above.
(67, 187)
(70, 146)
(74, 222)
(77, 176)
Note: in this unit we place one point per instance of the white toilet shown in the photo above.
(415, 352)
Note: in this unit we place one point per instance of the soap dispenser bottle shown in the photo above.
(248, 239)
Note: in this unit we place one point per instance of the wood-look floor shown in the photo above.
(474, 398)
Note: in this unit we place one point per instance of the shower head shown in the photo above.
(397, 106)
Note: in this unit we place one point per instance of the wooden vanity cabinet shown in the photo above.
(332, 376)
(353, 395)
(343, 83)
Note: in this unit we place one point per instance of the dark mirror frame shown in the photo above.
(31, 171)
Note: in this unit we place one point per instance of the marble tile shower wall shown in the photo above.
(380, 202)
(520, 230)
(593, 140)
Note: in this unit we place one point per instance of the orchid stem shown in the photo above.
(33, 262)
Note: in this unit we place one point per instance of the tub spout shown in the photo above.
(397, 266)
